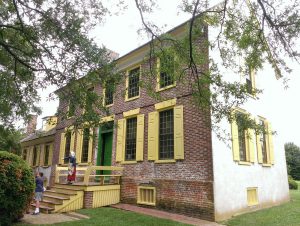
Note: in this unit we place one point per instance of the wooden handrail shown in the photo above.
(88, 170)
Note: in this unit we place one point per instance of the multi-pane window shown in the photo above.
(263, 143)
(46, 158)
(250, 81)
(130, 146)
(109, 92)
(85, 145)
(67, 146)
(25, 154)
(34, 156)
(133, 82)
(166, 71)
(89, 99)
(242, 144)
(166, 134)
(242, 139)
(71, 109)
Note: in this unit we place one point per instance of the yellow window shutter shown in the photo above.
(50, 154)
(153, 135)
(235, 141)
(30, 156)
(178, 133)
(90, 146)
(270, 143)
(140, 138)
(259, 150)
(38, 156)
(72, 145)
(62, 148)
(42, 154)
(120, 140)
(250, 145)
(79, 137)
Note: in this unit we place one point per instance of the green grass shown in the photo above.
(114, 217)
(284, 215)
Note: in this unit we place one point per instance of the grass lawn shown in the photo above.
(114, 217)
(284, 215)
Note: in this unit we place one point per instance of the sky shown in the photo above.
(119, 33)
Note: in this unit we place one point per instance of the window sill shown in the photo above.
(46, 166)
(132, 98)
(107, 106)
(245, 163)
(266, 164)
(128, 162)
(166, 161)
(165, 88)
(83, 164)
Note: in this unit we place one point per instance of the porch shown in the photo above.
(95, 186)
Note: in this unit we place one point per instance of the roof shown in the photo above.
(38, 134)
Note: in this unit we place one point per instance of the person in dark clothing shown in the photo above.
(72, 167)
(39, 189)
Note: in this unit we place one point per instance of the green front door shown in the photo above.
(105, 147)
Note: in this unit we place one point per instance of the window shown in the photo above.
(85, 145)
(133, 88)
(252, 198)
(47, 153)
(90, 98)
(166, 66)
(35, 153)
(108, 96)
(166, 134)
(71, 109)
(242, 139)
(130, 137)
(25, 154)
(130, 146)
(67, 146)
(250, 81)
(146, 195)
(264, 143)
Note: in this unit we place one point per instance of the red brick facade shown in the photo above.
(185, 186)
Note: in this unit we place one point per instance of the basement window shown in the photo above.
(252, 198)
(146, 195)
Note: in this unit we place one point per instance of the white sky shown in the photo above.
(119, 33)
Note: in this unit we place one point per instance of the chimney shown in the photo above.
(31, 126)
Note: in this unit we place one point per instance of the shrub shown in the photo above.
(16, 187)
(292, 184)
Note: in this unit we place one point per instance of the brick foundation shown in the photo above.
(88, 199)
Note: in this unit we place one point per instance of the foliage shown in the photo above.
(10, 140)
(45, 43)
(16, 187)
(292, 183)
(292, 153)
(285, 214)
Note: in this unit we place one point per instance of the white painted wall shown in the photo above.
(231, 180)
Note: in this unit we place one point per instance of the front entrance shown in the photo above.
(105, 146)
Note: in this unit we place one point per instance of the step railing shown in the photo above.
(94, 172)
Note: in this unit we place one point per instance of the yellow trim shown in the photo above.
(165, 161)
(178, 132)
(139, 155)
(152, 135)
(107, 119)
(128, 162)
(131, 113)
(120, 140)
(146, 199)
(42, 154)
(266, 164)
(252, 196)
(245, 163)
(127, 82)
(165, 104)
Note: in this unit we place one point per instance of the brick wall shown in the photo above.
(88, 199)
